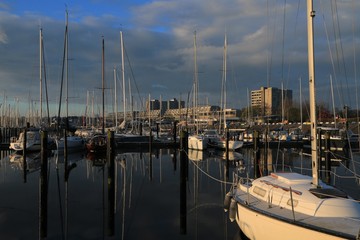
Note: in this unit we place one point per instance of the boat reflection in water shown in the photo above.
(136, 197)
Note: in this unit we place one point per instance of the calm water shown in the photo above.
(149, 199)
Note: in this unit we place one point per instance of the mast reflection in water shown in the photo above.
(138, 197)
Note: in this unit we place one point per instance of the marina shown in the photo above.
(144, 193)
(232, 153)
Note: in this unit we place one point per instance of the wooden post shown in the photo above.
(227, 153)
(43, 186)
(111, 184)
(65, 155)
(266, 172)
(24, 142)
(256, 154)
(24, 155)
(174, 131)
(183, 178)
(327, 158)
(157, 130)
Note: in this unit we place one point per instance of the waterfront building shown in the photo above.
(270, 100)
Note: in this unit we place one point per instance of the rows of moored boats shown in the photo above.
(91, 140)
(340, 139)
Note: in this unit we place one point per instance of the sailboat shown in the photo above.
(196, 141)
(221, 142)
(289, 205)
(74, 143)
(33, 135)
(33, 141)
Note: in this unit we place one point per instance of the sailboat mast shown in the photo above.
(67, 69)
(116, 106)
(103, 85)
(40, 72)
(196, 87)
(224, 83)
(64, 60)
(314, 151)
(301, 113)
(123, 73)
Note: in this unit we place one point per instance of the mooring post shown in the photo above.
(111, 183)
(256, 154)
(24, 155)
(266, 171)
(157, 130)
(24, 142)
(227, 153)
(183, 178)
(43, 186)
(174, 131)
(65, 155)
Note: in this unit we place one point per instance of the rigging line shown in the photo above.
(133, 77)
(342, 50)
(336, 37)
(62, 76)
(335, 33)
(267, 40)
(356, 176)
(207, 174)
(295, 34)
(330, 52)
(355, 70)
(270, 62)
(283, 44)
(45, 80)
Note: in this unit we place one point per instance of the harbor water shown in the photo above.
(142, 196)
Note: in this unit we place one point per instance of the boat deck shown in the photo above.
(344, 227)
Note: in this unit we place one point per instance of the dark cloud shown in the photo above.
(159, 38)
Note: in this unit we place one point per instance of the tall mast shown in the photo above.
(123, 73)
(64, 64)
(224, 83)
(103, 85)
(301, 113)
(40, 72)
(67, 68)
(116, 106)
(196, 86)
(314, 152)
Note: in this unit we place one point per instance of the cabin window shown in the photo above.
(295, 202)
(259, 191)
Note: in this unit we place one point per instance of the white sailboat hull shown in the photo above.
(259, 226)
(221, 144)
(33, 142)
(288, 206)
(197, 142)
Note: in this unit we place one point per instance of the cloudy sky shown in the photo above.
(267, 45)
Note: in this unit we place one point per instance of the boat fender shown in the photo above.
(232, 210)
(227, 201)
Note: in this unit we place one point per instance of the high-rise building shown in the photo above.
(270, 100)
